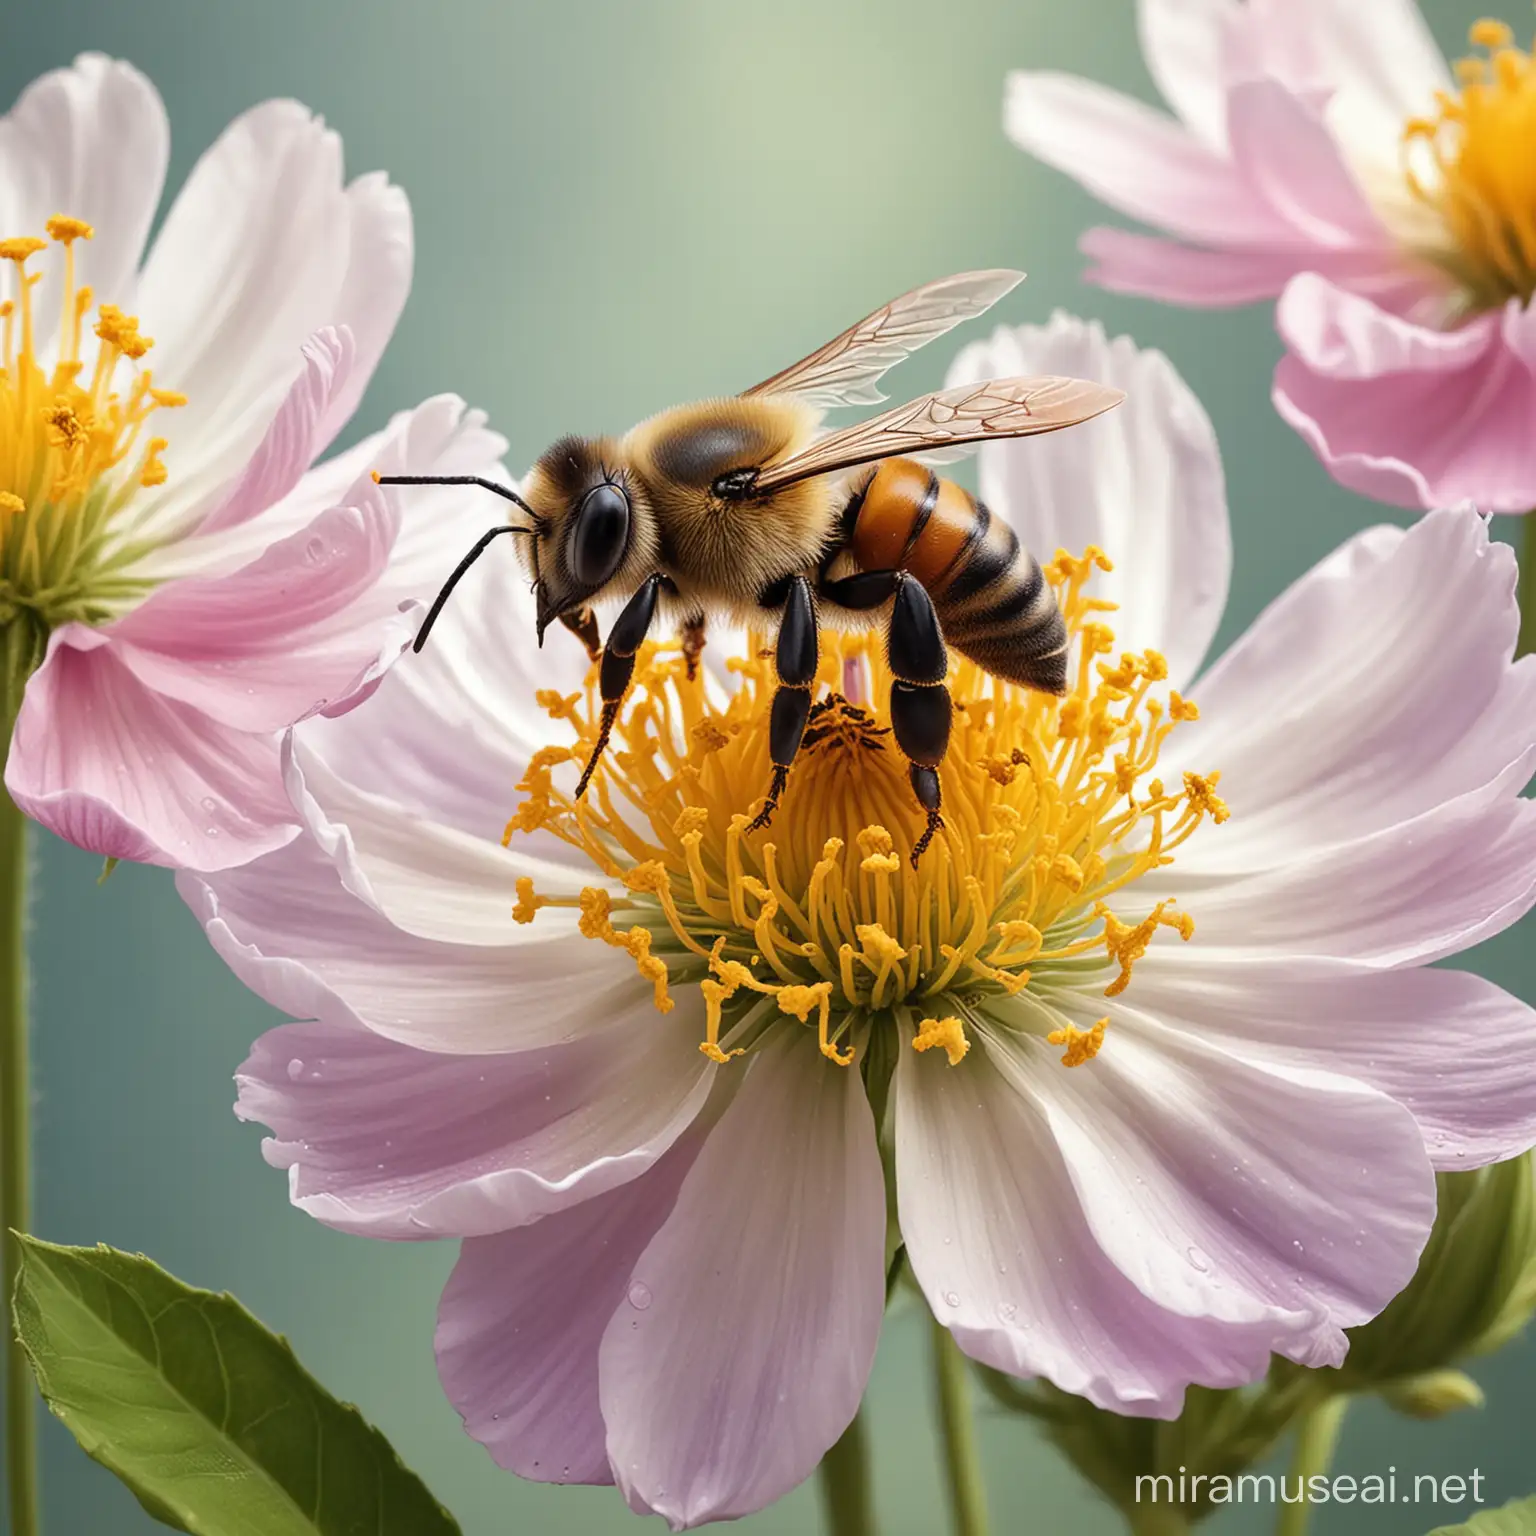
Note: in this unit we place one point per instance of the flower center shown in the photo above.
(1474, 163)
(1052, 812)
(73, 447)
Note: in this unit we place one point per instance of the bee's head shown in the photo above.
(589, 515)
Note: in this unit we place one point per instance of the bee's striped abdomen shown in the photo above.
(989, 592)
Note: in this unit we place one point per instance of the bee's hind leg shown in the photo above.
(921, 708)
(795, 658)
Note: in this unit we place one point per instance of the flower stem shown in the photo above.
(1317, 1433)
(962, 1462)
(845, 1485)
(16, 643)
(1527, 642)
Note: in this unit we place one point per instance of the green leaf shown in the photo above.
(206, 1415)
(1517, 1519)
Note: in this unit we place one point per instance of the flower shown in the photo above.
(1148, 1060)
(177, 584)
(1321, 153)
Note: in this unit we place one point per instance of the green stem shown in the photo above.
(1317, 1433)
(845, 1484)
(962, 1461)
(18, 645)
(1527, 641)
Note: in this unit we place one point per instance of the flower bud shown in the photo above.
(1434, 1394)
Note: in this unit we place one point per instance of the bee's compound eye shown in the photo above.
(599, 535)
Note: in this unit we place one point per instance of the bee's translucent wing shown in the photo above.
(969, 413)
(846, 370)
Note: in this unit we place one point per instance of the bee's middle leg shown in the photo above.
(795, 658)
(921, 708)
(618, 664)
(582, 623)
(693, 644)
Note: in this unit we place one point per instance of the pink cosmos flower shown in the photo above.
(184, 582)
(1320, 152)
(1151, 1079)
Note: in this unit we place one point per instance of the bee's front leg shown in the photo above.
(795, 658)
(693, 644)
(582, 623)
(921, 708)
(618, 664)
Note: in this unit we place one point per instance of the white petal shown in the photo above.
(745, 1341)
(1143, 482)
(1181, 42)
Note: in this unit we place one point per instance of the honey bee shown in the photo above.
(742, 507)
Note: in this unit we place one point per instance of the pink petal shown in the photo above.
(524, 1313)
(1425, 1037)
(275, 641)
(1181, 42)
(90, 141)
(1203, 1177)
(375, 287)
(1182, 274)
(293, 440)
(388, 1141)
(118, 769)
(749, 1328)
(1388, 691)
(295, 936)
(1143, 483)
(1285, 153)
(1409, 415)
(999, 1243)
(1137, 161)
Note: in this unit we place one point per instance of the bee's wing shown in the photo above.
(845, 371)
(969, 413)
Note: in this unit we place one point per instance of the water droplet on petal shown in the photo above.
(951, 1299)
(314, 550)
(639, 1296)
(211, 831)
(295, 1069)
(1198, 1259)
(1006, 1311)
(209, 803)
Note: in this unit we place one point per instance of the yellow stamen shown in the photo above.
(1052, 808)
(1082, 1044)
(1474, 163)
(71, 431)
(946, 1033)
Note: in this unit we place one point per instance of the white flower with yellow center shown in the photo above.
(178, 584)
(1140, 1069)
(1324, 153)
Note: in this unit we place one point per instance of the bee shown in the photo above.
(743, 508)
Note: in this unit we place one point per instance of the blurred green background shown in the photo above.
(620, 204)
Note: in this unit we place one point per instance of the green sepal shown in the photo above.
(205, 1414)
(107, 866)
(1515, 1519)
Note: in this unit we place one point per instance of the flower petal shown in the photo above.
(1143, 482)
(385, 1140)
(1181, 42)
(120, 770)
(999, 1243)
(750, 1326)
(1202, 1176)
(1386, 691)
(92, 142)
(1426, 1037)
(1181, 274)
(297, 937)
(1409, 415)
(523, 1373)
(1137, 160)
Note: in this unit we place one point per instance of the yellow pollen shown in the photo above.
(1052, 811)
(11, 504)
(948, 1034)
(1082, 1044)
(1474, 163)
(73, 446)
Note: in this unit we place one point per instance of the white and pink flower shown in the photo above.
(184, 582)
(1321, 153)
(1129, 1143)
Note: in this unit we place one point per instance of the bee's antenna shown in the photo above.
(481, 545)
(506, 492)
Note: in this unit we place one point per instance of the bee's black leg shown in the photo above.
(618, 667)
(693, 644)
(795, 658)
(864, 589)
(582, 623)
(920, 702)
